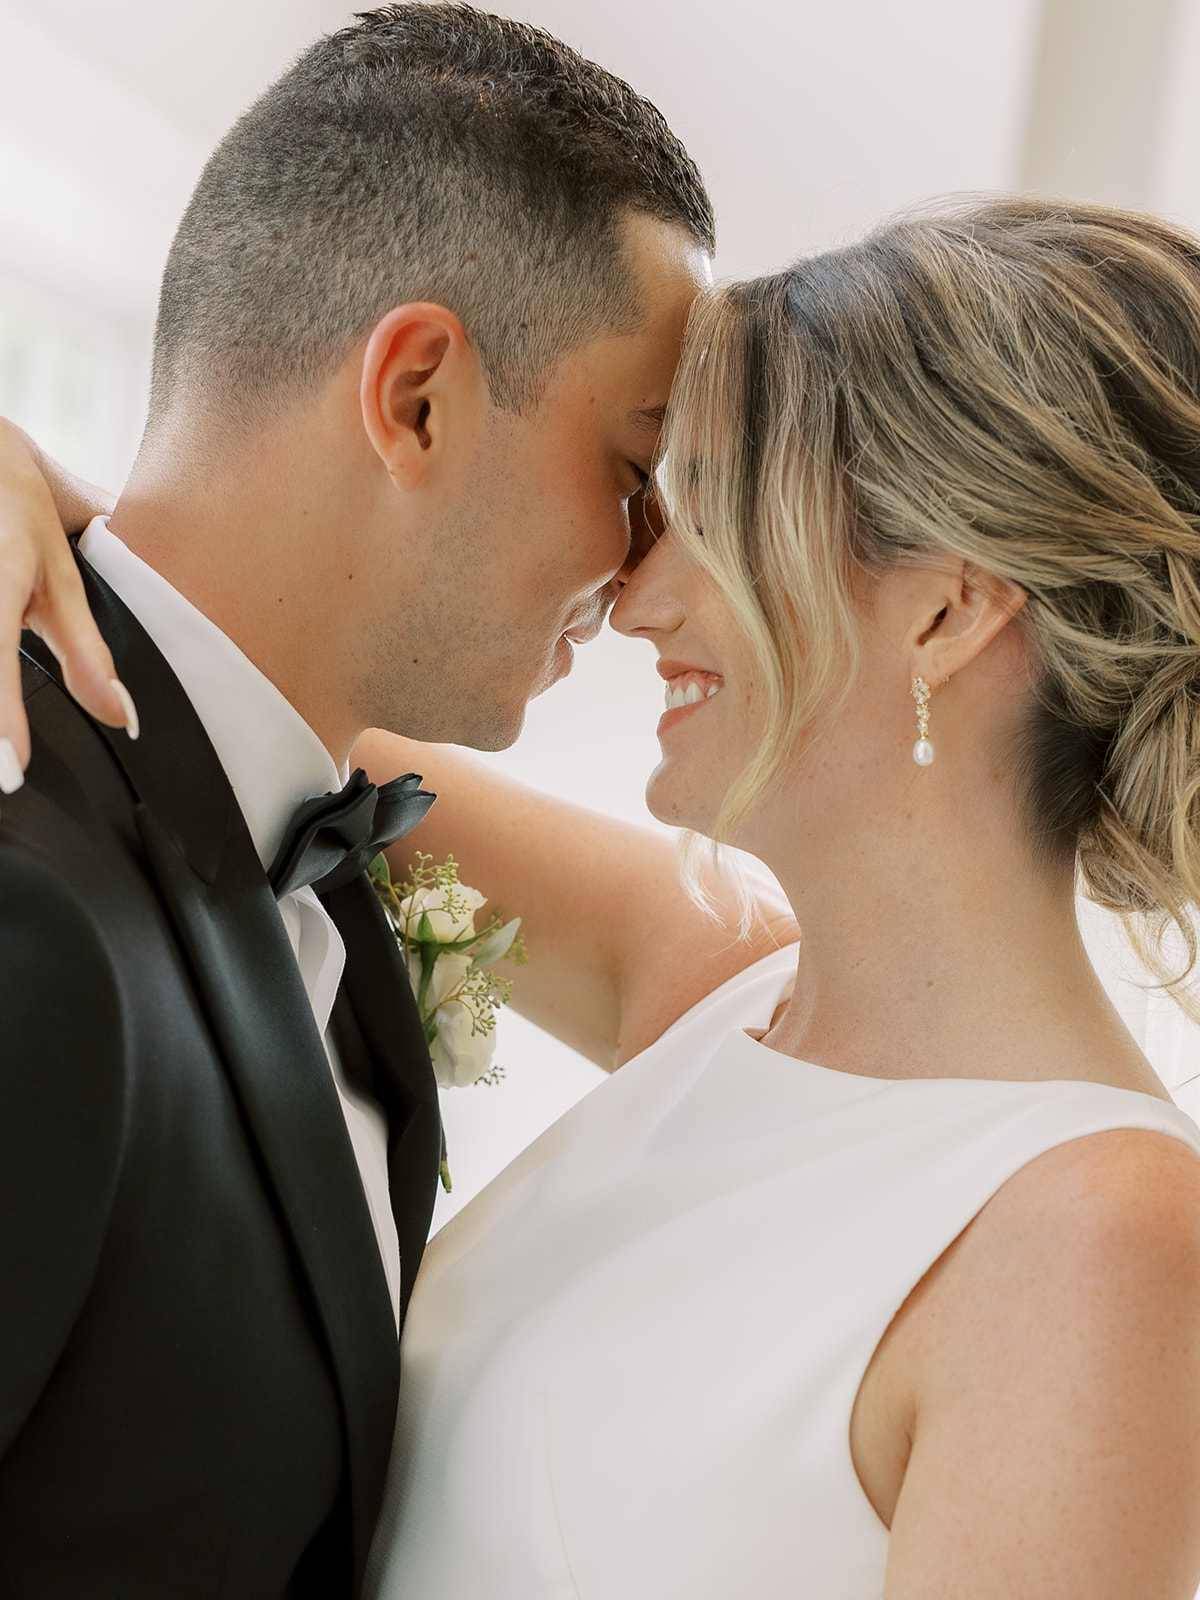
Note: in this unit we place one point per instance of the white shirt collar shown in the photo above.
(271, 756)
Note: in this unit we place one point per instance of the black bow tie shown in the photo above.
(335, 836)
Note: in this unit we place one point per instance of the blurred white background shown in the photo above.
(809, 121)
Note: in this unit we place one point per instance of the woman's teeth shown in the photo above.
(689, 692)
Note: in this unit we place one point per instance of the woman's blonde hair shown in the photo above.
(1014, 383)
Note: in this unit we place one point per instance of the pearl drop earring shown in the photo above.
(922, 750)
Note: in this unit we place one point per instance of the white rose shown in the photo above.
(459, 1055)
(446, 925)
(449, 971)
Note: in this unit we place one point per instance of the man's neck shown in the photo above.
(243, 565)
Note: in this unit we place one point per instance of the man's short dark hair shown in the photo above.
(426, 152)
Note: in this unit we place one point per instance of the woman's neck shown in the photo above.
(947, 952)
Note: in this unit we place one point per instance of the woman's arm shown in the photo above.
(617, 951)
(1051, 1418)
(40, 589)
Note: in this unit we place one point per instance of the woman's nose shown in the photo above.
(650, 598)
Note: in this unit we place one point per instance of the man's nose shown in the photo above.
(589, 628)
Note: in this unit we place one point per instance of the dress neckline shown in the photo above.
(838, 1074)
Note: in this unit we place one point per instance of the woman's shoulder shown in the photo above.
(1084, 1172)
(1117, 1197)
(1058, 1327)
(1091, 1238)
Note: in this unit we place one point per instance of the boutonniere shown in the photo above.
(449, 965)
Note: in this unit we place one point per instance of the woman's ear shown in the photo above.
(963, 611)
(420, 378)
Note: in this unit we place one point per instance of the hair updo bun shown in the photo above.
(1014, 383)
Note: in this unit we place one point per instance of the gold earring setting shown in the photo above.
(923, 751)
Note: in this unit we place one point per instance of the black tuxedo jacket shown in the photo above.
(198, 1362)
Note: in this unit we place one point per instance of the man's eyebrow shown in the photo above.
(649, 417)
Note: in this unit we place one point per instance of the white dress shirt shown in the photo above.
(274, 761)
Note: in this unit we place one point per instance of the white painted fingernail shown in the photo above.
(132, 726)
(11, 775)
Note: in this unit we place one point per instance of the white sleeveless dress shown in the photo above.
(629, 1364)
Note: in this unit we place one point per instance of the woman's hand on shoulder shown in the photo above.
(40, 588)
(1054, 1353)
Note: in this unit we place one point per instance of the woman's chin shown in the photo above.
(674, 802)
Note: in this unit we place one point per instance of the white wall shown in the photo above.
(809, 119)
(1174, 184)
(92, 180)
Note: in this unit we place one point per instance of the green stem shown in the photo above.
(429, 955)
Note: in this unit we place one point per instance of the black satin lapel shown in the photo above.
(204, 863)
(377, 987)
(256, 1002)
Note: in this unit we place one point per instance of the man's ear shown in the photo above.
(421, 382)
(964, 610)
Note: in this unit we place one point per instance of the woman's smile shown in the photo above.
(687, 688)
